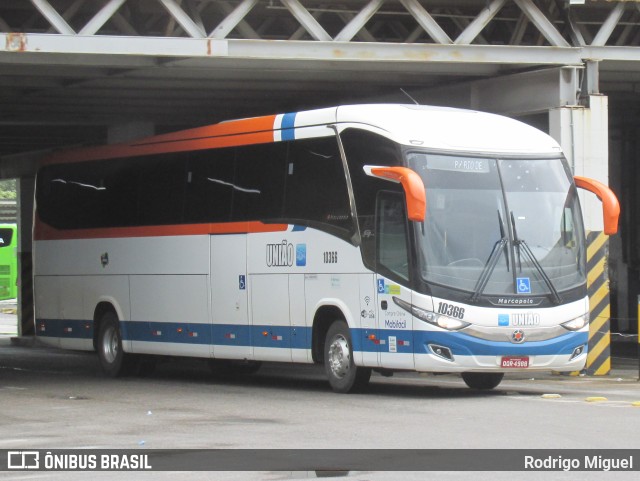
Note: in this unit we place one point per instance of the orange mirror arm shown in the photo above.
(610, 204)
(413, 188)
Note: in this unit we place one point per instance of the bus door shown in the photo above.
(229, 300)
(395, 325)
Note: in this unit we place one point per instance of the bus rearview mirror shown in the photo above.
(412, 185)
(610, 204)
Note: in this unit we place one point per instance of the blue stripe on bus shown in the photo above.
(295, 337)
(462, 344)
(179, 332)
(299, 337)
(65, 328)
(287, 126)
(377, 340)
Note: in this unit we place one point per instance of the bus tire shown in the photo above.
(114, 361)
(344, 376)
(482, 380)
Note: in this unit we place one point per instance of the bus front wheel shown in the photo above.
(114, 361)
(482, 380)
(344, 376)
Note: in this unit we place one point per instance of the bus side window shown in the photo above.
(209, 186)
(366, 148)
(6, 235)
(258, 186)
(391, 230)
(312, 163)
(161, 190)
(567, 228)
(121, 179)
(72, 196)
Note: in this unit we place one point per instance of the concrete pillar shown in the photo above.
(25, 187)
(583, 134)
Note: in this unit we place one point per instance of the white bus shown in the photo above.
(366, 237)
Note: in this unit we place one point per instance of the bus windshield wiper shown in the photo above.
(492, 262)
(524, 248)
(503, 236)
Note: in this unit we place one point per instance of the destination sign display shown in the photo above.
(458, 164)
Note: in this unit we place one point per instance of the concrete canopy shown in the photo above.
(71, 69)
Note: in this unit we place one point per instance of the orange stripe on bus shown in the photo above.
(43, 231)
(236, 127)
(229, 134)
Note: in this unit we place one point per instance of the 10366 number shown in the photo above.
(450, 310)
(330, 257)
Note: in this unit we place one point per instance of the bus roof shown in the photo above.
(444, 128)
(438, 128)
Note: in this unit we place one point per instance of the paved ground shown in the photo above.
(59, 399)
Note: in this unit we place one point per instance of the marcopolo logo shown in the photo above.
(516, 301)
(283, 254)
(517, 336)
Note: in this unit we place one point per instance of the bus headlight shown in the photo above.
(577, 323)
(439, 320)
(450, 323)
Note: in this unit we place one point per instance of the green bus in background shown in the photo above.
(8, 261)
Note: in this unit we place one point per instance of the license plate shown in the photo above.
(514, 362)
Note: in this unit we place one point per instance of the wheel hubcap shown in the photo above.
(110, 345)
(339, 357)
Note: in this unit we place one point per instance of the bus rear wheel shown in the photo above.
(482, 380)
(344, 376)
(114, 361)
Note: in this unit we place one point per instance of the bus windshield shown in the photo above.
(500, 226)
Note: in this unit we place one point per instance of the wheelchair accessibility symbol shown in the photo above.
(523, 285)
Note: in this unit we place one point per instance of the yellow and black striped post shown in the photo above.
(599, 356)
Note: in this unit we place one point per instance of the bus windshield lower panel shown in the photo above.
(500, 226)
